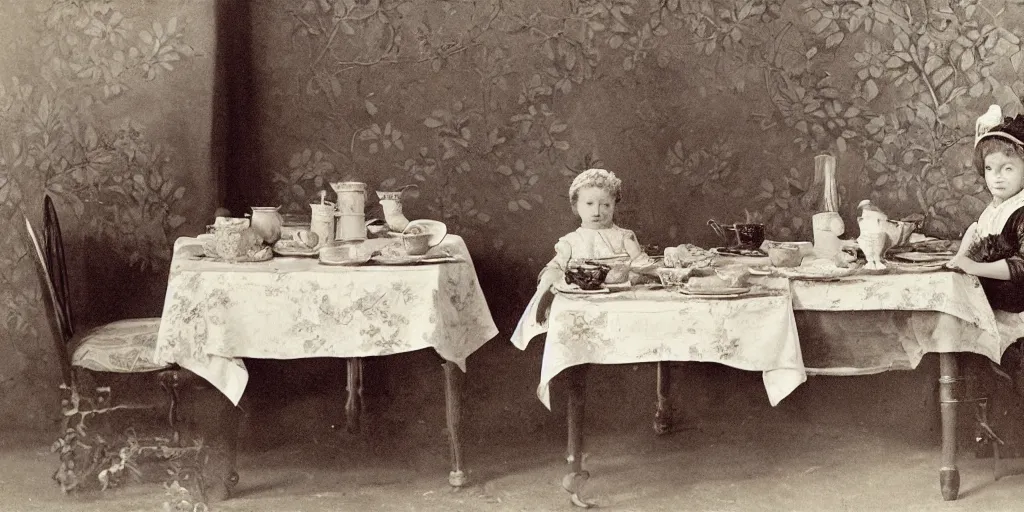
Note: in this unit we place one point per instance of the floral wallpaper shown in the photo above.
(106, 105)
(706, 108)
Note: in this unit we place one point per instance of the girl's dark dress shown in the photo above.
(1009, 245)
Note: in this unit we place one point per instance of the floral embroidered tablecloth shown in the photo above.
(288, 308)
(659, 325)
(925, 312)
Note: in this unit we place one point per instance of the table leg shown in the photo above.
(577, 386)
(949, 475)
(663, 412)
(354, 401)
(453, 413)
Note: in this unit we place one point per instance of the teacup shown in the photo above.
(750, 236)
(417, 244)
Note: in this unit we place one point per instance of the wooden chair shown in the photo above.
(89, 457)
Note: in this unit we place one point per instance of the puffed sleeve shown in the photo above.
(554, 270)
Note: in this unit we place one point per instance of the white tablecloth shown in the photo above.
(659, 325)
(288, 308)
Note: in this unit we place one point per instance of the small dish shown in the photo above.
(759, 270)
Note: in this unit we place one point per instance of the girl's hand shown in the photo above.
(960, 260)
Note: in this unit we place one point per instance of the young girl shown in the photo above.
(993, 247)
(593, 196)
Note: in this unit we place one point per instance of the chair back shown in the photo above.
(53, 248)
(57, 310)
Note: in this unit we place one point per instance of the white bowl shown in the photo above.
(437, 229)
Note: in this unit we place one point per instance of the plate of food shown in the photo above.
(688, 256)
(572, 289)
(302, 242)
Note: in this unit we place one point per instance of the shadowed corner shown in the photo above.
(234, 144)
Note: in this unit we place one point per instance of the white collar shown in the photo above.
(994, 218)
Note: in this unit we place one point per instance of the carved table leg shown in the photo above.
(453, 417)
(577, 386)
(949, 475)
(354, 386)
(663, 412)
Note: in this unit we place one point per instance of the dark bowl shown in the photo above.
(587, 277)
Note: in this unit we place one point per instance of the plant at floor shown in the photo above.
(89, 459)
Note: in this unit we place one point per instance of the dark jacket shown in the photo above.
(1008, 245)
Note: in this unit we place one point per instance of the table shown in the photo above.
(287, 308)
(943, 312)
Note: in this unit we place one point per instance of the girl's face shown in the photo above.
(596, 207)
(1004, 175)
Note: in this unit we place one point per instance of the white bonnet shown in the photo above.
(600, 178)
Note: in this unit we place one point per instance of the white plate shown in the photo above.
(576, 290)
(815, 272)
(343, 263)
(399, 260)
(922, 257)
(915, 268)
(733, 291)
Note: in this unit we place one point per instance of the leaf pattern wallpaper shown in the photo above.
(107, 106)
(706, 108)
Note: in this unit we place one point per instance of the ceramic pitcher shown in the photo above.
(351, 210)
(267, 222)
(391, 202)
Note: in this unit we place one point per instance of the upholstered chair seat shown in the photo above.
(124, 346)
